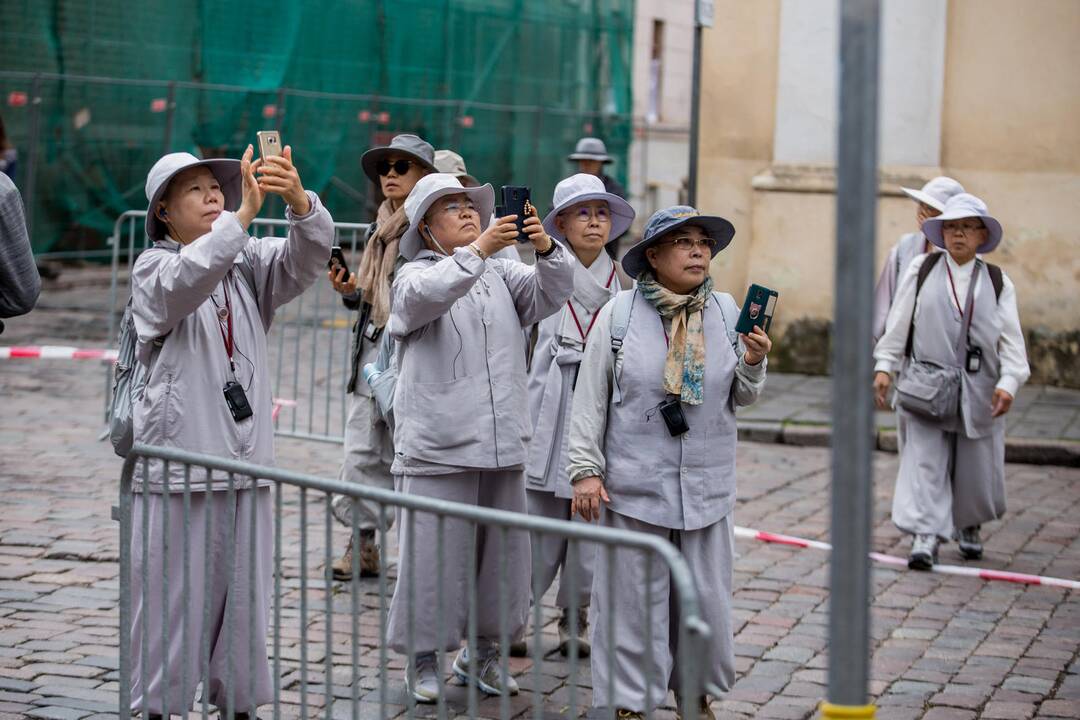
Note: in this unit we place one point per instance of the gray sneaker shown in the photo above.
(970, 543)
(426, 681)
(489, 678)
(565, 637)
(923, 552)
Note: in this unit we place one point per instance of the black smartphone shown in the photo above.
(757, 309)
(515, 200)
(337, 260)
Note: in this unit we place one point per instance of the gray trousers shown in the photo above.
(710, 554)
(220, 591)
(552, 553)
(369, 452)
(947, 482)
(433, 570)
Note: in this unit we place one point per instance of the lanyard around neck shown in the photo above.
(956, 297)
(225, 325)
(585, 333)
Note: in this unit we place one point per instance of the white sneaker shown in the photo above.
(490, 677)
(426, 680)
(923, 552)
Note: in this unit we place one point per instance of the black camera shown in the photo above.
(672, 412)
(237, 400)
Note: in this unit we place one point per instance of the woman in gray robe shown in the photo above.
(461, 428)
(952, 471)
(680, 351)
(203, 298)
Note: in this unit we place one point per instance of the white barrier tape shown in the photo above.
(53, 352)
(1000, 575)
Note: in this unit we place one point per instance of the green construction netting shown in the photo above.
(335, 76)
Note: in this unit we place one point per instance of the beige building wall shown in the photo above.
(1009, 131)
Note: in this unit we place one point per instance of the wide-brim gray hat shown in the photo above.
(226, 171)
(411, 146)
(590, 148)
(584, 187)
(448, 161)
(663, 222)
(936, 192)
(959, 207)
(427, 190)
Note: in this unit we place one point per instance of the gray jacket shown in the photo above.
(19, 280)
(176, 292)
(461, 400)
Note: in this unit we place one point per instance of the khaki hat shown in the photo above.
(448, 161)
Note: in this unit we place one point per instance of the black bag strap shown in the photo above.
(996, 279)
(924, 270)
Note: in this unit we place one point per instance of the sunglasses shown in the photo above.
(383, 167)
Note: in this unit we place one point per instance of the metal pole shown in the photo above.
(695, 124)
(29, 193)
(852, 414)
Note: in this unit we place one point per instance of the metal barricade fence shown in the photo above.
(328, 647)
(308, 344)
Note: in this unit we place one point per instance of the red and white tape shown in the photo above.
(53, 352)
(1001, 575)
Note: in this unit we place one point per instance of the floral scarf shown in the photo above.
(684, 371)
(377, 263)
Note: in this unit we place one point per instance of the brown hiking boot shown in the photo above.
(369, 559)
(583, 647)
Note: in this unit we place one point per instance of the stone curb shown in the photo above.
(1032, 451)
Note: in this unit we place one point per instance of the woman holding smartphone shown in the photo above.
(203, 297)
(461, 428)
(652, 442)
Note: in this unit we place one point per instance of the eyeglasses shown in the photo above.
(584, 215)
(456, 208)
(968, 228)
(686, 243)
(400, 167)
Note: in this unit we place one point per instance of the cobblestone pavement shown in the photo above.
(943, 646)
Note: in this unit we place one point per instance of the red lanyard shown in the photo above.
(226, 339)
(957, 297)
(585, 333)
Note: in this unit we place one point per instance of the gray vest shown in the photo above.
(937, 331)
(686, 482)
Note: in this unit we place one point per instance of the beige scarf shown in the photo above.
(377, 264)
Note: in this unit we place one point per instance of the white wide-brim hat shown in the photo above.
(584, 187)
(668, 220)
(959, 207)
(427, 190)
(164, 170)
(936, 192)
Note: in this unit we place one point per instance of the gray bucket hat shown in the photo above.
(448, 161)
(590, 148)
(226, 171)
(583, 187)
(427, 190)
(959, 207)
(665, 221)
(412, 146)
(936, 192)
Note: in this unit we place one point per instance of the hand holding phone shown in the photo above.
(269, 143)
(337, 261)
(515, 201)
(757, 309)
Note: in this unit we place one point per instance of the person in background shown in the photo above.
(653, 474)
(585, 218)
(203, 297)
(9, 156)
(591, 156)
(20, 283)
(462, 425)
(929, 202)
(369, 447)
(952, 471)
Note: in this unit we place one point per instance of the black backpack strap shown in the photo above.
(924, 270)
(996, 279)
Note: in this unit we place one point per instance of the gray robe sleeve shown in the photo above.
(20, 284)
(884, 292)
(538, 290)
(422, 294)
(166, 287)
(592, 396)
(285, 267)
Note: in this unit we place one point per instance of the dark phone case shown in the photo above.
(513, 203)
(337, 252)
(754, 309)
